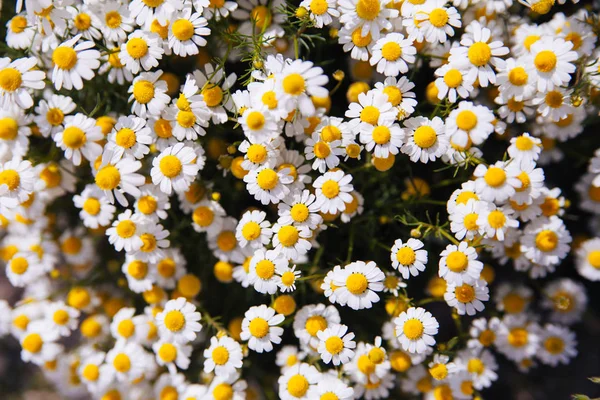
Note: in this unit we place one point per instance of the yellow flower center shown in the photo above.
(594, 258)
(33, 343)
(203, 216)
(74, 137)
(126, 138)
(167, 352)
(126, 229)
(329, 396)
(439, 371)
(71, 245)
(368, 9)
(370, 115)
(212, 95)
(453, 78)
(464, 293)
(297, 386)
(10, 178)
(330, 189)
(470, 221)
(359, 40)
(137, 269)
(220, 355)
(545, 61)
(55, 116)
(530, 40)
(574, 38)
(406, 256)
(255, 120)
(546, 240)
(554, 345)
(162, 127)
(315, 324)
(391, 51)
(554, 99)
(593, 192)
(122, 363)
(425, 136)
(438, 17)
(518, 337)
(91, 372)
(413, 329)
(457, 261)
(143, 92)
(294, 84)
(288, 235)
(542, 7)
(466, 120)
(357, 283)
(9, 128)
(183, 29)
(496, 219)
(318, 7)
(475, 366)
(394, 95)
(126, 328)
(495, 177)
(487, 337)
(261, 15)
(170, 166)
(265, 269)
(299, 212)
(60, 317)
(251, 231)
(64, 57)
(381, 135)
(223, 391)
(288, 278)
(226, 241)
(10, 79)
(83, 21)
(518, 76)
(108, 178)
(18, 24)
(334, 345)
(153, 3)
(365, 365)
(321, 150)
(137, 48)
(147, 205)
(259, 327)
(174, 321)
(267, 179)
(479, 54)
(113, 19)
(19, 265)
(513, 303)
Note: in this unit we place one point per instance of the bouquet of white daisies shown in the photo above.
(316, 200)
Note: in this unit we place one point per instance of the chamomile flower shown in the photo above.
(425, 140)
(23, 268)
(369, 15)
(300, 208)
(62, 318)
(408, 258)
(459, 264)
(130, 137)
(525, 149)
(311, 319)
(453, 82)
(333, 388)
(141, 51)
(138, 275)
(16, 183)
(174, 168)
(291, 240)
(326, 155)
(38, 343)
(208, 217)
(287, 277)
(74, 62)
(260, 329)
(557, 345)
(19, 33)
(546, 241)
(383, 140)
(400, 94)
(588, 259)
(296, 82)
(267, 184)
(552, 62)
(434, 22)
(336, 344)
(117, 179)
(148, 93)
(262, 271)
(495, 221)
(78, 138)
(259, 125)
(16, 77)
(186, 32)
(483, 332)
(519, 339)
(172, 354)
(224, 356)
(464, 219)
(372, 108)
(179, 321)
(219, 9)
(50, 113)
(298, 381)
(161, 10)
(358, 283)
(515, 80)
(117, 21)
(333, 191)
(14, 133)
(467, 298)
(126, 361)
(566, 299)
(392, 54)
(415, 329)
(469, 123)
(496, 182)
(358, 45)
(126, 326)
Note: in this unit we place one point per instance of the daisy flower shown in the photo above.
(208, 217)
(408, 258)
(435, 21)
(89, 370)
(16, 77)
(355, 43)
(514, 79)
(23, 269)
(552, 62)
(141, 51)
(126, 361)
(588, 259)
(259, 125)
(453, 82)
(291, 240)
(152, 203)
(19, 33)
(495, 221)
(172, 354)
(268, 185)
(469, 123)
(372, 16)
(555, 104)
(301, 209)
(566, 299)
(154, 241)
(95, 211)
(146, 12)
(372, 108)
(322, 12)
(130, 137)
(219, 9)
(467, 298)
(415, 329)
(259, 328)
(296, 82)
(224, 356)
(311, 319)
(287, 277)
(174, 169)
(383, 139)
(16, 182)
(14, 133)
(38, 343)
(496, 182)
(400, 94)
(120, 178)
(262, 270)
(149, 95)
(525, 149)
(117, 21)
(358, 283)
(137, 273)
(558, 345)
(62, 318)
(391, 53)
(216, 95)
(336, 344)
(224, 244)
(325, 154)
(478, 52)
(425, 140)
(518, 340)
(124, 233)
(78, 138)
(253, 229)
(186, 31)
(459, 264)
(126, 326)
(50, 113)
(483, 332)
(179, 321)
(227, 386)
(464, 219)
(297, 382)
(332, 190)
(333, 388)
(73, 63)
(546, 241)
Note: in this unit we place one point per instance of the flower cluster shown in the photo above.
(184, 188)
